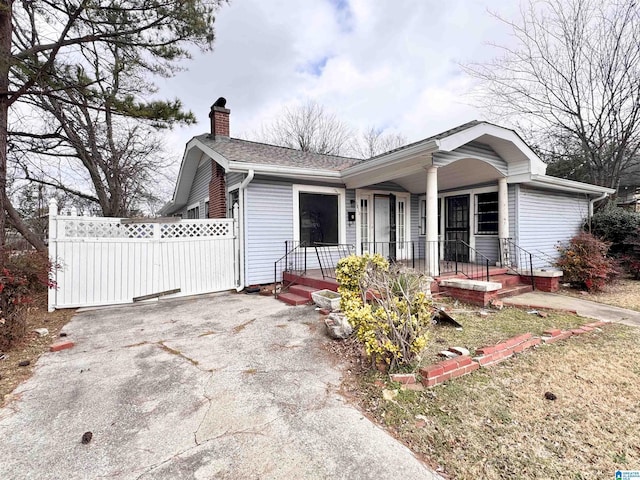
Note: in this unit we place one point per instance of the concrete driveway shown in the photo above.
(227, 386)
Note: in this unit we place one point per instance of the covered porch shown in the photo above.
(443, 200)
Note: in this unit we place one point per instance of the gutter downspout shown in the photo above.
(591, 202)
(243, 185)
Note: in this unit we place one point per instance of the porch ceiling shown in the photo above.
(458, 174)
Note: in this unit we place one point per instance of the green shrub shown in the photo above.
(617, 226)
(388, 309)
(621, 228)
(25, 274)
(630, 261)
(585, 263)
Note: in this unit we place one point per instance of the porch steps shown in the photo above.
(506, 280)
(299, 293)
(293, 299)
(514, 290)
(302, 290)
(316, 283)
(511, 285)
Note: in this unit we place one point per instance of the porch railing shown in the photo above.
(517, 259)
(477, 270)
(329, 254)
(453, 256)
(294, 261)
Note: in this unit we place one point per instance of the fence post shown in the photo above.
(53, 252)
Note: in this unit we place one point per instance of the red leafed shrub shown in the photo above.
(585, 262)
(23, 276)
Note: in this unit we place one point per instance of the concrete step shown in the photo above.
(293, 299)
(302, 290)
(317, 283)
(514, 290)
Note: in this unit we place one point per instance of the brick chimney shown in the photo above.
(219, 116)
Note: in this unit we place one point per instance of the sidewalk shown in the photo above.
(584, 308)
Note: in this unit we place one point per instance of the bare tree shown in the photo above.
(373, 141)
(572, 79)
(310, 128)
(41, 44)
(96, 132)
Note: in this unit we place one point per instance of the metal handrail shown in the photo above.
(514, 257)
(291, 263)
(476, 254)
(329, 254)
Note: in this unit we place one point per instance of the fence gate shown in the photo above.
(105, 261)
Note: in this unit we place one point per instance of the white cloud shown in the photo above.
(393, 65)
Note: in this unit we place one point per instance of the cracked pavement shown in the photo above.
(224, 386)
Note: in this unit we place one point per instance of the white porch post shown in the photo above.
(503, 218)
(433, 262)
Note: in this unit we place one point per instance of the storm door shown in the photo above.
(384, 225)
(456, 228)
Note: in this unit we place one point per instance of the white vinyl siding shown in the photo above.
(489, 247)
(269, 222)
(513, 211)
(199, 192)
(472, 150)
(232, 178)
(350, 226)
(547, 218)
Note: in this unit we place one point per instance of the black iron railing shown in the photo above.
(329, 254)
(517, 259)
(451, 256)
(294, 261)
(478, 269)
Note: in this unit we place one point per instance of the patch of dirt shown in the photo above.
(32, 346)
(624, 293)
(238, 328)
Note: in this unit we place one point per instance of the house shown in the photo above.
(457, 196)
(628, 194)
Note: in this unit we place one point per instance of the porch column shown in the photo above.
(503, 219)
(433, 260)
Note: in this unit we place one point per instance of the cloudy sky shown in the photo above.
(392, 65)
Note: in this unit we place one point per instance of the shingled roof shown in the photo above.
(245, 151)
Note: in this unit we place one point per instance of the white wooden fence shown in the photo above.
(105, 261)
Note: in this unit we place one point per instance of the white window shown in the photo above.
(319, 215)
(423, 216)
(486, 213)
(193, 212)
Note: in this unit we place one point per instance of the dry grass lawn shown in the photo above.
(496, 326)
(496, 423)
(624, 293)
(32, 346)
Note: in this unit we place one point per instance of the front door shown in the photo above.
(384, 225)
(456, 228)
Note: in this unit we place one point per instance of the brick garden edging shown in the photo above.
(487, 356)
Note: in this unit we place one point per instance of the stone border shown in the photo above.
(440, 372)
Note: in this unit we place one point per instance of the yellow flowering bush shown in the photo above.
(388, 308)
